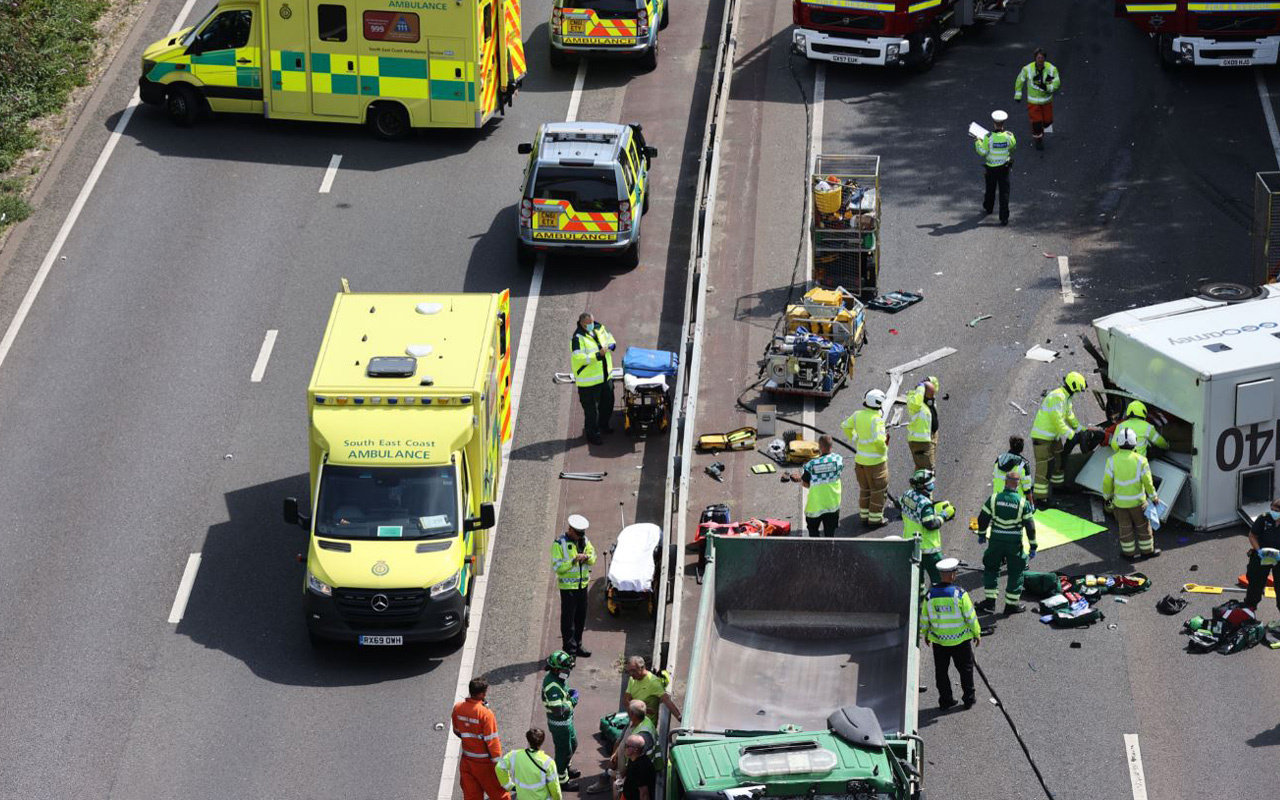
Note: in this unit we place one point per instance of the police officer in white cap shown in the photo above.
(572, 557)
(949, 623)
(996, 149)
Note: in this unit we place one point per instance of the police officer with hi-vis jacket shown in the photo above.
(996, 149)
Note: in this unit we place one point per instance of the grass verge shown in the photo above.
(46, 47)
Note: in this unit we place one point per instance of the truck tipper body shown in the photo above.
(409, 405)
(1209, 34)
(886, 32)
(1209, 373)
(803, 673)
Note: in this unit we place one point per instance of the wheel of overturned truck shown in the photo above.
(1226, 291)
(461, 636)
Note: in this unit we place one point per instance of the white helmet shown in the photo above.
(874, 398)
(1127, 438)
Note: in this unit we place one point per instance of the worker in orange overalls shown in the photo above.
(477, 727)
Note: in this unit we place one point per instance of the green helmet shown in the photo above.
(921, 478)
(1136, 409)
(561, 661)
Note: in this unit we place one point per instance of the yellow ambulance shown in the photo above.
(410, 403)
(392, 64)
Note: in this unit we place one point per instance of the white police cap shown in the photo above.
(948, 564)
(579, 523)
(999, 116)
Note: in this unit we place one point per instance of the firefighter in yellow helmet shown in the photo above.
(1135, 419)
(1054, 426)
(1127, 487)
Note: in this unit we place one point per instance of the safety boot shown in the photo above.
(987, 606)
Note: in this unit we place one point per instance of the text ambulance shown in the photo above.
(394, 64)
(409, 404)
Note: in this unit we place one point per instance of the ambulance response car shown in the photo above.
(410, 402)
(393, 64)
(595, 28)
(586, 187)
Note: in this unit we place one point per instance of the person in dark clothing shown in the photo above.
(1264, 555)
(641, 776)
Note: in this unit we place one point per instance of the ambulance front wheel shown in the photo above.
(182, 105)
(389, 121)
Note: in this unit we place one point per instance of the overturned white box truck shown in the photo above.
(1209, 372)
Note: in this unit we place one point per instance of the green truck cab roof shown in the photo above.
(707, 767)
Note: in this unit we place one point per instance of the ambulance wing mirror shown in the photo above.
(650, 152)
(487, 519)
(524, 148)
(293, 514)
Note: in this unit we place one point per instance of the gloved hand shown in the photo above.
(1017, 99)
(945, 510)
(1108, 507)
(573, 696)
(1268, 555)
(982, 538)
(613, 346)
(600, 355)
(1031, 554)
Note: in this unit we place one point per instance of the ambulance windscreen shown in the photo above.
(586, 189)
(387, 502)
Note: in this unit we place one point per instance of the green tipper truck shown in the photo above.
(803, 675)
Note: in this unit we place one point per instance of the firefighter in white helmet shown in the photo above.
(865, 428)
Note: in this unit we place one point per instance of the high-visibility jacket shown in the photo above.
(556, 698)
(920, 520)
(866, 429)
(531, 774)
(1056, 419)
(645, 730)
(569, 573)
(921, 422)
(1146, 433)
(589, 369)
(1007, 463)
(1126, 482)
(477, 727)
(825, 488)
(1035, 94)
(947, 616)
(996, 148)
(1009, 514)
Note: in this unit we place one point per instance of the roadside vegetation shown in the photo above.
(46, 47)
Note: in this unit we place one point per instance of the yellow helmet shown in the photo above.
(1136, 409)
(1074, 382)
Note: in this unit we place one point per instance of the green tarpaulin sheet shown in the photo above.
(1054, 527)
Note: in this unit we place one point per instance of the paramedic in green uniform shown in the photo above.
(922, 519)
(821, 477)
(559, 701)
(1008, 514)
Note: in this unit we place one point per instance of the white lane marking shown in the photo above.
(1064, 277)
(1133, 754)
(24, 308)
(329, 174)
(575, 97)
(184, 589)
(809, 415)
(449, 770)
(1268, 112)
(264, 355)
(1096, 511)
(182, 16)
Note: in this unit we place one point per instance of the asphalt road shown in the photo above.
(1146, 186)
(131, 436)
